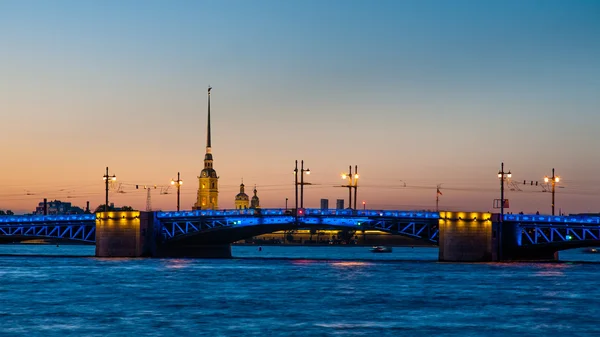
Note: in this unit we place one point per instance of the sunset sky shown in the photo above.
(416, 93)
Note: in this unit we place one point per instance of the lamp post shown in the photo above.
(352, 183)
(178, 183)
(554, 179)
(503, 176)
(364, 205)
(286, 200)
(302, 183)
(107, 178)
(296, 186)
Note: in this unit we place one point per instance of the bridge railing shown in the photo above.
(301, 212)
(552, 219)
(371, 213)
(28, 219)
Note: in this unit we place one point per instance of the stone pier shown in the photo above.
(134, 234)
(466, 237)
(481, 237)
(125, 234)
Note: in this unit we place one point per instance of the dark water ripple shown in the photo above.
(293, 291)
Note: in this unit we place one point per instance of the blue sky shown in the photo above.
(423, 92)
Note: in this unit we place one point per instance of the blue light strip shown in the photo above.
(46, 218)
(307, 211)
(552, 219)
(234, 212)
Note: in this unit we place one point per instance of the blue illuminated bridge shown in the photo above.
(227, 226)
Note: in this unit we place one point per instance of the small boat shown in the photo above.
(591, 250)
(381, 249)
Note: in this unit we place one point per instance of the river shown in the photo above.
(293, 291)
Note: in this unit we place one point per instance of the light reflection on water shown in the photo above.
(303, 291)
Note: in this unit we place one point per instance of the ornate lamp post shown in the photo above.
(107, 179)
(554, 179)
(301, 183)
(352, 183)
(177, 183)
(503, 176)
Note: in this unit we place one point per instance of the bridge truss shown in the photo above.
(421, 225)
(543, 229)
(70, 227)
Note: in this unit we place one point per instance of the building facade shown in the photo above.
(57, 207)
(241, 199)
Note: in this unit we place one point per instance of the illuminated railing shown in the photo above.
(552, 219)
(302, 212)
(46, 218)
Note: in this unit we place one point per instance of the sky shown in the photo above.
(416, 93)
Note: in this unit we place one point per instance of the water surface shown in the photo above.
(293, 291)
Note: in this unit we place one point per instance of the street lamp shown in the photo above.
(301, 183)
(364, 205)
(107, 178)
(352, 183)
(178, 183)
(503, 176)
(554, 179)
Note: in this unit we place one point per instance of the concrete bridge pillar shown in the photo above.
(125, 234)
(481, 237)
(465, 237)
(138, 234)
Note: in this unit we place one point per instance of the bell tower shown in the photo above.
(208, 181)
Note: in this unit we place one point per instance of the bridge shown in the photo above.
(462, 236)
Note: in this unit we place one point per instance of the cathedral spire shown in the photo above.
(208, 125)
(208, 181)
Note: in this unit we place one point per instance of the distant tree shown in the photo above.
(2, 212)
(112, 208)
(9, 212)
(101, 208)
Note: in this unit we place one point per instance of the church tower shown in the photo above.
(255, 202)
(241, 200)
(208, 189)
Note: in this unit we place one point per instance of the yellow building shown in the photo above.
(208, 181)
(241, 199)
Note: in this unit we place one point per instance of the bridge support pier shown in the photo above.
(125, 234)
(465, 237)
(134, 234)
(480, 237)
